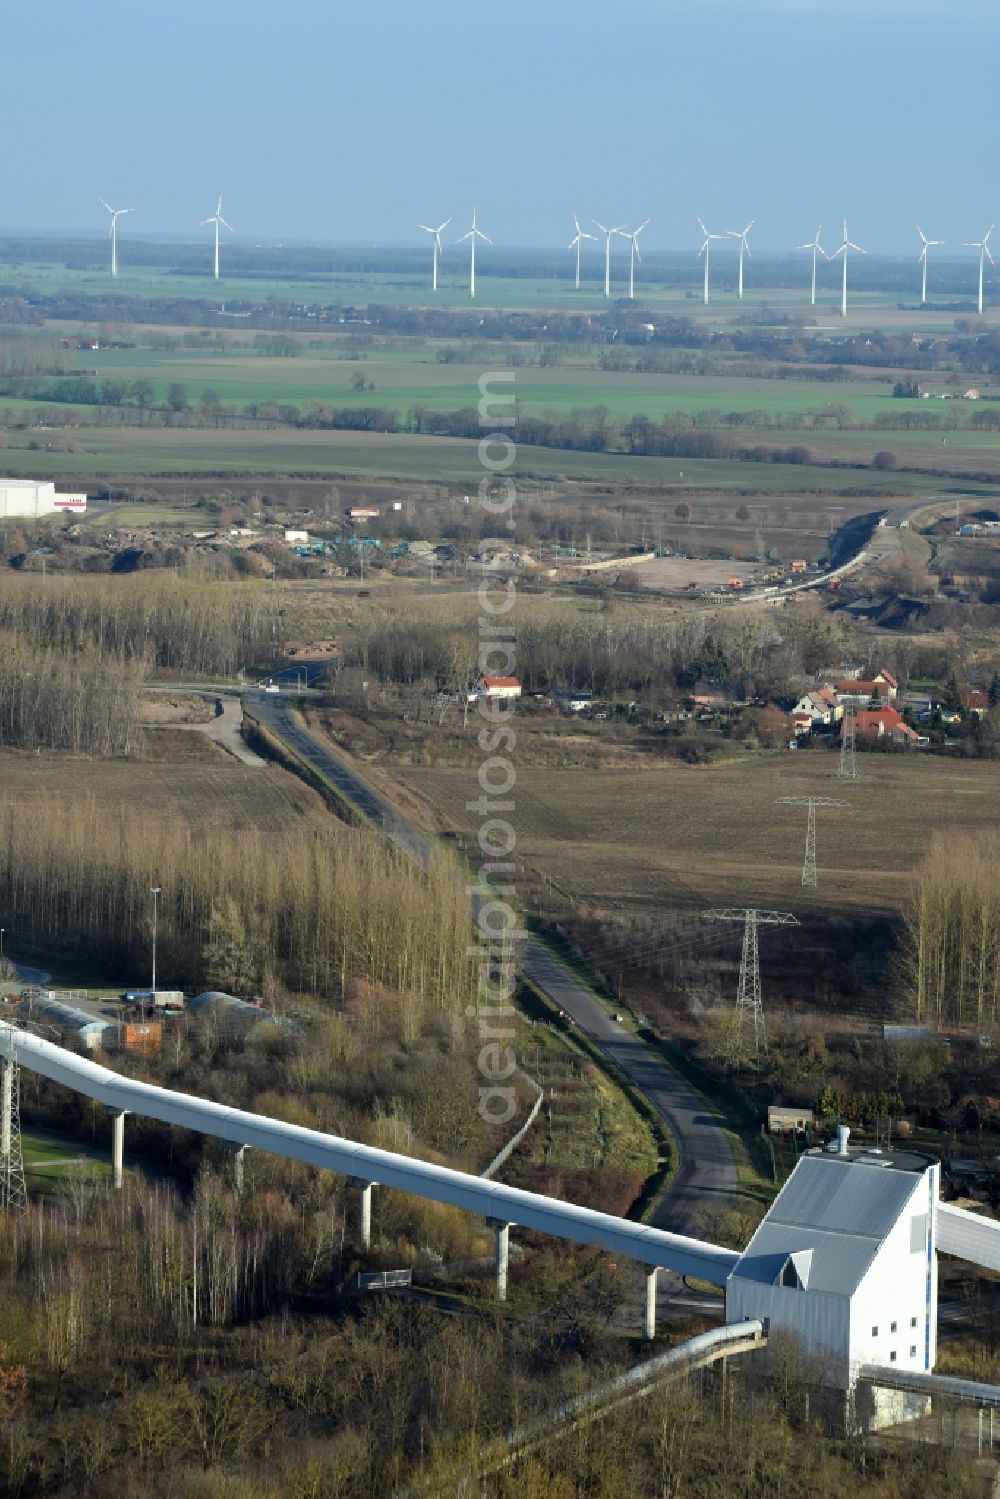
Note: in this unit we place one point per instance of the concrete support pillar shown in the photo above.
(364, 1210)
(238, 1153)
(6, 1106)
(501, 1233)
(649, 1319)
(117, 1146)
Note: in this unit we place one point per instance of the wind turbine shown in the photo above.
(817, 249)
(704, 251)
(114, 212)
(474, 233)
(922, 258)
(634, 255)
(982, 245)
(607, 251)
(847, 245)
(576, 242)
(217, 219)
(438, 250)
(741, 235)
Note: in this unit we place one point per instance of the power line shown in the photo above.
(13, 1191)
(809, 872)
(848, 767)
(748, 995)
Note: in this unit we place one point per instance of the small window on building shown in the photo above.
(913, 1350)
(892, 1356)
(892, 1327)
(913, 1321)
(874, 1332)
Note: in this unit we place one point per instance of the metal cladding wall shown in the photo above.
(27, 499)
(564, 1220)
(967, 1235)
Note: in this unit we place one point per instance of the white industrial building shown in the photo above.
(846, 1261)
(30, 499)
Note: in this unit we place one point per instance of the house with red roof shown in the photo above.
(881, 723)
(882, 686)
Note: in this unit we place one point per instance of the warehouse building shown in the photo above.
(88, 1029)
(29, 499)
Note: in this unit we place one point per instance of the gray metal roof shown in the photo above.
(841, 1209)
(235, 1017)
(843, 1195)
(64, 1015)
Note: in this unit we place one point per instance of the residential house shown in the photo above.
(881, 723)
(976, 702)
(821, 705)
(882, 686)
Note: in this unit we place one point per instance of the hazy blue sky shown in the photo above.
(346, 122)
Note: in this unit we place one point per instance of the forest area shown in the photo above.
(953, 947)
(203, 1350)
(311, 911)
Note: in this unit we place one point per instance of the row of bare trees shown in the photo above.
(85, 701)
(313, 910)
(953, 952)
(169, 623)
(603, 651)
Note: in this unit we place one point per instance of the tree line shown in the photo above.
(953, 932)
(83, 701)
(170, 624)
(312, 911)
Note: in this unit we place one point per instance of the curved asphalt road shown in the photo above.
(707, 1174)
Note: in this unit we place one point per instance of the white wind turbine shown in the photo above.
(704, 251)
(817, 250)
(842, 251)
(607, 251)
(741, 235)
(438, 249)
(474, 233)
(922, 260)
(114, 212)
(633, 256)
(983, 246)
(576, 242)
(217, 219)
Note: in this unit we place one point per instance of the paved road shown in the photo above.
(707, 1174)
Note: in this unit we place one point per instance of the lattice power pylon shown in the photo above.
(848, 767)
(13, 1192)
(748, 996)
(809, 872)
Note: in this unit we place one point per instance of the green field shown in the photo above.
(103, 452)
(401, 383)
(412, 288)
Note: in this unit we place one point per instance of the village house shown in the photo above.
(882, 723)
(975, 701)
(857, 692)
(820, 705)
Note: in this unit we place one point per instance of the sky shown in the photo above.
(352, 123)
